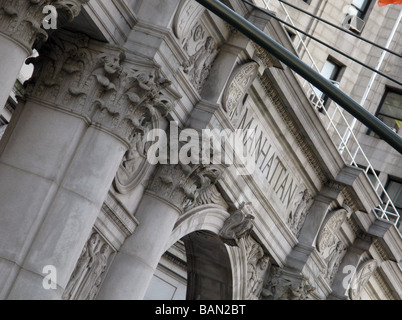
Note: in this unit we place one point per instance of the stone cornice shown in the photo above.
(269, 89)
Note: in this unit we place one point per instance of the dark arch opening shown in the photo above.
(209, 272)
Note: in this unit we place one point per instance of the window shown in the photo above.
(359, 8)
(332, 71)
(291, 34)
(390, 110)
(371, 174)
(394, 190)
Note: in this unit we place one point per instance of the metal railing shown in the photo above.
(341, 132)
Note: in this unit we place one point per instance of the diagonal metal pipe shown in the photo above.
(297, 65)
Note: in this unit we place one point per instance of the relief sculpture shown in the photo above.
(86, 279)
(198, 65)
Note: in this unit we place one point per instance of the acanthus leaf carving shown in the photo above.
(22, 19)
(91, 79)
(283, 285)
(185, 185)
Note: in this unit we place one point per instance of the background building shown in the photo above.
(83, 213)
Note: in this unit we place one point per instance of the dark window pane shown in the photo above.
(394, 191)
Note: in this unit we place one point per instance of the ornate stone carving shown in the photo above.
(238, 225)
(207, 193)
(298, 213)
(88, 274)
(200, 47)
(327, 236)
(187, 15)
(284, 286)
(71, 8)
(329, 245)
(198, 65)
(257, 266)
(333, 258)
(89, 79)
(262, 56)
(363, 275)
(22, 19)
(185, 186)
(238, 85)
(135, 163)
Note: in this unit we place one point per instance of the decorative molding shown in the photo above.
(349, 203)
(383, 285)
(119, 215)
(238, 225)
(362, 277)
(238, 85)
(380, 250)
(22, 20)
(315, 164)
(89, 272)
(88, 78)
(262, 56)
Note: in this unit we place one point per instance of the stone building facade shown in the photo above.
(84, 215)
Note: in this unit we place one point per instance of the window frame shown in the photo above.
(363, 11)
(378, 111)
(336, 77)
(389, 180)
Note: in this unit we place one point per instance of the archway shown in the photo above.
(209, 272)
(196, 258)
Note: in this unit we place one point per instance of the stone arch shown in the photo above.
(215, 270)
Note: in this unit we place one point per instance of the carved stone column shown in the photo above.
(83, 107)
(20, 27)
(173, 188)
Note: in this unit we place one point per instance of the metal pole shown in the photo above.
(297, 65)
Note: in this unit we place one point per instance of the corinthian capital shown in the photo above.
(285, 285)
(90, 79)
(184, 186)
(72, 8)
(22, 20)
